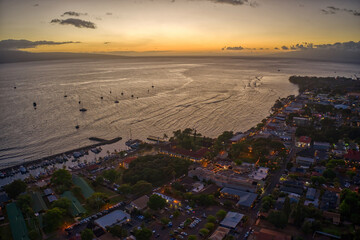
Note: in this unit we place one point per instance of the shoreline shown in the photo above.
(101, 142)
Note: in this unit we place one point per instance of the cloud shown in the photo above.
(72, 13)
(237, 2)
(35, 5)
(233, 48)
(75, 22)
(276, 48)
(13, 44)
(348, 46)
(107, 42)
(109, 13)
(334, 10)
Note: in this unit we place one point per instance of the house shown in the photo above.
(220, 233)
(140, 203)
(114, 218)
(246, 199)
(236, 138)
(305, 161)
(48, 192)
(306, 157)
(231, 220)
(301, 122)
(311, 194)
(334, 217)
(352, 155)
(37, 202)
(325, 146)
(329, 201)
(303, 142)
(51, 198)
(126, 162)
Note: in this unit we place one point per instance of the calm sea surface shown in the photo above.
(209, 94)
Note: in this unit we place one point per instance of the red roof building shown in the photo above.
(303, 142)
(126, 162)
(352, 155)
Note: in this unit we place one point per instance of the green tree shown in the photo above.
(62, 203)
(142, 188)
(118, 231)
(211, 219)
(143, 234)
(192, 237)
(97, 200)
(87, 234)
(329, 174)
(278, 219)
(176, 213)
(112, 175)
(165, 221)
(15, 188)
(124, 189)
(221, 214)
(53, 218)
(24, 203)
(210, 226)
(156, 202)
(204, 232)
(62, 179)
(99, 180)
(34, 235)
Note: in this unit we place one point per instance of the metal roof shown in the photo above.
(113, 218)
(17, 222)
(232, 219)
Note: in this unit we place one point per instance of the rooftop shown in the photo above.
(231, 220)
(141, 202)
(17, 222)
(113, 218)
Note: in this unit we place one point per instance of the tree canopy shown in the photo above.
(156, 170)
(15, 188)
(62, 179)
(156, 202)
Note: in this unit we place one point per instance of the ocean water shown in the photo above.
(209, 94)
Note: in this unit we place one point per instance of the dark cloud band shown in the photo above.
(75, 22)
(72, 13)
(13, 44)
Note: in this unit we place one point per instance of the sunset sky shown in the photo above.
(176, 25)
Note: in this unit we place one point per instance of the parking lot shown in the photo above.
(198, 221)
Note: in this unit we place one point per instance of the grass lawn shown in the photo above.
(100, 188)
(117, 199)
(5, 232)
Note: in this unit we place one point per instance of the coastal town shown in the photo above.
(295, 175)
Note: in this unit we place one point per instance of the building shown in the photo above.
(334, 217)
(76, 208)
(305, 161)
(352, 155)
(301, 122)
(86, 190)
(303, 142)
(329, 201)
(194, 156)
(231, 220)
(37, 202)
(17, 222)
(126, 162)
(140, 203)
(220, 233)
(48, 192)
(311, 194)
(225, 178)
(325, 146)
(246, 199)
(260, 174)
(114, 218)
